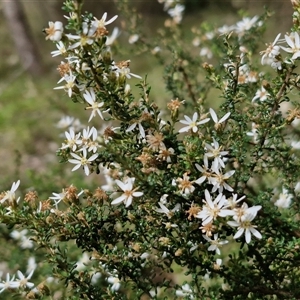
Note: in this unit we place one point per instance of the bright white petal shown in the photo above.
(203, 121)
(76, 167)
(239, 233)
(119, 200)
(121, 185)
(248, 236)
(86, 170)
(128, 201)
(213, 115)
(256, 233)
(289, 41)
(137, 194)
(225, 117)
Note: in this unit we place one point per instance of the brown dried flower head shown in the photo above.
(208, 229)
(193, 211)
(64, 68)
(31, 196)
(99, 194)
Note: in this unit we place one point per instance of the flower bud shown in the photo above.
(31, 198)
(106, 55)
(178, 252)
(127, 89)
(164, 241)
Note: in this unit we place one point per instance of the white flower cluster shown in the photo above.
(84, 146)
(284, 199)
(213, 173)
(221, 204)
(290, 44)
(10, 196)
(128, 192)
(58, 197)
(9, 199)
(240, 29)
(243, 216)
(92, 31)
(21, 282)
(82, 142)
(68, 122)
(110, 276)
(21, 236)
(213, 151)
(242, 71)
(214, 207)
(185, 291)
(192, 124)
(261, 94)
(174, 9)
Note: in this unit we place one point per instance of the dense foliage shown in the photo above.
(201, 198)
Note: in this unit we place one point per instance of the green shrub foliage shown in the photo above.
(198, 195)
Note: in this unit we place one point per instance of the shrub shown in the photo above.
(201, 198)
